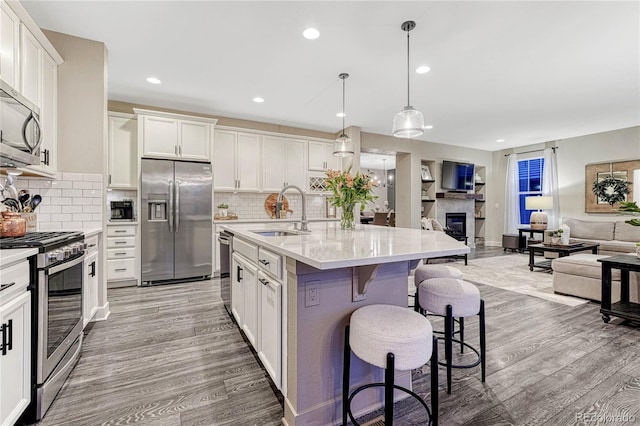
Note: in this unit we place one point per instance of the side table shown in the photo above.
(624, 308)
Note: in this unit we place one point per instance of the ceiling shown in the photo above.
(525, 72)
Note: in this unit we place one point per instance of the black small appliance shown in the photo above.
(122, 210)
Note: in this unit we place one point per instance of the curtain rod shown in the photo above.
(535, 150)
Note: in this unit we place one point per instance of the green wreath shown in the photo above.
(611, 190)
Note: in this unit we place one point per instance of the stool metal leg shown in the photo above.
(416, 300)
(434, 382)
(448, 344)
(483, 341)
(389, 378)
(461, 322)
(346, 367)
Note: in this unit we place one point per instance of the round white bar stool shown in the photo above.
(451, 298)
(426, 272)
(390, 337)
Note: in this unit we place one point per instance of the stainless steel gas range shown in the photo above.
(56, 288)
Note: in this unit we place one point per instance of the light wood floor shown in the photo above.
(170, 355)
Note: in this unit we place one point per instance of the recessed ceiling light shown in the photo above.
(499, 140)
(311, 34)
(428, 126)
(341, 114)
(258, 100)
(423, 69)
(153, 80)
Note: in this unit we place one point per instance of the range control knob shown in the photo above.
(67, 253)
(59, 254)
(53, 256)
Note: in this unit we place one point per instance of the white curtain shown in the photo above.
(511, 197)
(550, 186)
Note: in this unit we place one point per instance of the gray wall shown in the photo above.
(82, 103)
(410, 152)
(573, 155)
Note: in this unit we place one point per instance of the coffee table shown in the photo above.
(562, 250)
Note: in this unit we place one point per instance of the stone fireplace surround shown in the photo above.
(454, 205)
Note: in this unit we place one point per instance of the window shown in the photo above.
(530, 182)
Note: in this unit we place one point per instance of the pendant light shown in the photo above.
(343, 146)
(409, 122)
(384, 166)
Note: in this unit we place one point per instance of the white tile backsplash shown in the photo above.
(72, 201)
(251, 205)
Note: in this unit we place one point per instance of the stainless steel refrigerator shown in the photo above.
(176, 221)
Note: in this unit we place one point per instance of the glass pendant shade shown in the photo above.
(343, 146)
(408, 123)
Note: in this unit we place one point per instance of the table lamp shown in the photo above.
(538, 219)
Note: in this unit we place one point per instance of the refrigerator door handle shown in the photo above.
(177, 213)
(170, 205)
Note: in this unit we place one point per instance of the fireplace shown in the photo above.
(457, 224)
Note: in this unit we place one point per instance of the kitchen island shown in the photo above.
(320, 278)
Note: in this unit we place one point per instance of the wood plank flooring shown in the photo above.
(170, 355)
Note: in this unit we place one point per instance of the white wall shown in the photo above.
(573, 155)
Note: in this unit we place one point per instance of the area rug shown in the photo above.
(511, 273)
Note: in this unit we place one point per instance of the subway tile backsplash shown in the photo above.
(251, 205)
(71, 201)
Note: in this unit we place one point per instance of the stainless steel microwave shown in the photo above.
(20, 130)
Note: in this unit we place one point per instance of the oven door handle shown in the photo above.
(66, 265)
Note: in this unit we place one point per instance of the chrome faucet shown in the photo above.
(303, 222)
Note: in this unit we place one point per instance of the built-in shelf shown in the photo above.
(479, 184)
(428, 181)
(479, 218)
(480, 201)
(428, 200)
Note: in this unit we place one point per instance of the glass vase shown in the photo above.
(347, 220)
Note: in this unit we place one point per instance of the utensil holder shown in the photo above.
(32, 221)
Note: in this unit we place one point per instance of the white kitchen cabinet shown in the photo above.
(30, 66)
(270, 334)
(15, 351)
(321, 157)
(236, 161)
(174, 136)
(91, 276)
(244, 297)
(283, 163)
(121, 253)
(123, 151)
(9, 46)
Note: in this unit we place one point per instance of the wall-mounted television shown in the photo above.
(457, 176)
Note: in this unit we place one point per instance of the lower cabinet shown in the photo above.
(270, 341)
(121, 253)
(256, 303)
(90, 291)
(244, 297)
(15, 344)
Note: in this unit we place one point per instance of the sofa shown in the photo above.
(614, 236)
(580, 274)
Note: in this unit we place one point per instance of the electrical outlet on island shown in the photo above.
(311, 293)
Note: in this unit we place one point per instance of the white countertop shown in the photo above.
(329, 247)
(9, 256)
(267, 220)
(121, 222)
(91, 232)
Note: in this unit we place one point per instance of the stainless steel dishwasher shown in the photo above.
(224, 245)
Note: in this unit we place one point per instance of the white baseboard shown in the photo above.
(102, 313)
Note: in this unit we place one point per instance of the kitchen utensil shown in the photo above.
(35, 200)
(12, 203)
(24, 200)
(12, 225)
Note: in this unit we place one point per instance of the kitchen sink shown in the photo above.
(274, 233)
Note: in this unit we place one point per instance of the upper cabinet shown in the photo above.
(321, 157)
(9, 46)
(123, 151)
(174, 136)
(29, 63)
(30, 66)
(283, 162)
(236, 161)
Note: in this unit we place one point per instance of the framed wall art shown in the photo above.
(614, 183)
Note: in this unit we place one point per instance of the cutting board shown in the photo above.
(270, 205)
